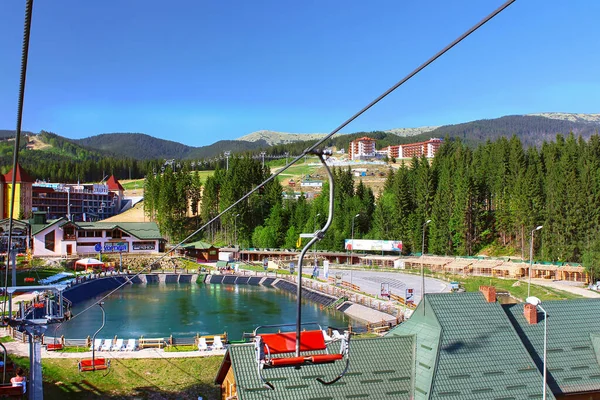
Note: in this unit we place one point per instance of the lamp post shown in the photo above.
(352, 248)
(531, 259)
(235, 229)
(537, 303)
(422, 268)
(315, 229)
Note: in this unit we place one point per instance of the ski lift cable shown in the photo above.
(317, 144)
(24, 58)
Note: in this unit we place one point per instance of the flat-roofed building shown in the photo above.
(362, 148)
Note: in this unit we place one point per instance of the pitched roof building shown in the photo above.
(374, 374)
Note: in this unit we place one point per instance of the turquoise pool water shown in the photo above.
(183, 310)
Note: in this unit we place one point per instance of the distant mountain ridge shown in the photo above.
(531, 129)
(273, 138)
(591, 118)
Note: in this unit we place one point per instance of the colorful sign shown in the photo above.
(410, 296)
(373, 245)
(385, 290)
(115, 247)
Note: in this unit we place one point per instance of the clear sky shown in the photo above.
(198, 71)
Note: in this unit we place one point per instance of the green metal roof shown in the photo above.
(199, 245)
(469, 350)
(573, 342)
(37, 228)
(427, 330)
(380, 368)
(141, 230)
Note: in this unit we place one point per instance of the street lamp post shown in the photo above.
(538, 304)
(352, 247)
(235, 230)
(315, 229)
(422, 268)
(531, 259)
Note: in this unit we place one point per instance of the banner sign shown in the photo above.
(115, 247)
(373, 245)
(410, 296)
(385, 290)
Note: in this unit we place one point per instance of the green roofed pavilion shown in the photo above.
(380, 368)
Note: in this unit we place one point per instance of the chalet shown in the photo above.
(201, 251)
(61, 237)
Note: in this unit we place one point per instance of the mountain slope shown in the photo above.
(532, 130)
(145, 147)
(591, 118)
(137, 145)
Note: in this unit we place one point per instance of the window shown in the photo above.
(116, 234)
(49, 241)
(69, 232)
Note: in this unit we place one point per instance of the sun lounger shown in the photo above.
(118, 346)
(217, 343)
(336, 335)
(202, 346)
(130, 345)
(107, 345)
(96, 345)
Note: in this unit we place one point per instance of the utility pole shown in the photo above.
(227, 154)
(263, 154)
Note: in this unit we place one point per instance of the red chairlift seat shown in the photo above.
(95, 364)
(54, 346)
(269, 344)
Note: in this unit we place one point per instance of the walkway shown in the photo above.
(567, 286)
(22, 349)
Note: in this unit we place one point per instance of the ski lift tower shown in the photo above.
(34, 321)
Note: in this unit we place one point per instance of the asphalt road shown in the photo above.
(370, 282)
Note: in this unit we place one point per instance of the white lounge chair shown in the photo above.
(118, 346)
(336, 335)
(107, 345)
(217, 343)
(202, 346)
(130, 345)
(326, 336)
(96, 345)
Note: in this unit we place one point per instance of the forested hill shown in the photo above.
(8, 134)
(145, 147)
(532, 130)
(136, 145)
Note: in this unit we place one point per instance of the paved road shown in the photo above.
(370, 282)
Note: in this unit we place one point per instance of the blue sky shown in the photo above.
(201, 71)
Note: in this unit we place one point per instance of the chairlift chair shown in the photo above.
(309, 347)
(96, 363)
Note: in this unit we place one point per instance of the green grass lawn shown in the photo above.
(180, 348)
(34, 273)
(134, 184)
(172, 378)
(520, 291)
(139, 183)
